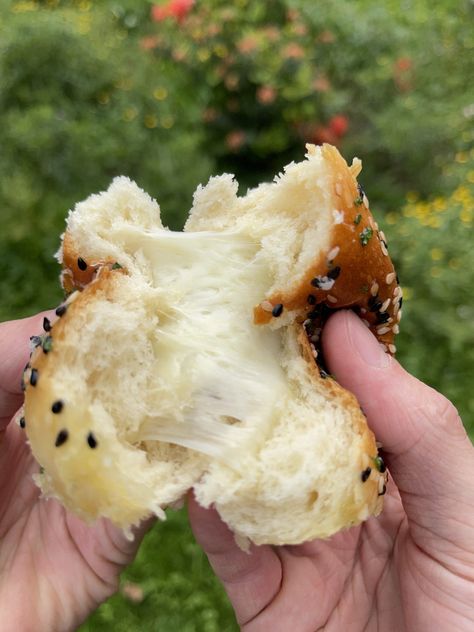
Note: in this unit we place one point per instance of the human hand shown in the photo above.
(412, 568)
(54, 569)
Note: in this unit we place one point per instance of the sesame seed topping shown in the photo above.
(374, 303)
(46, 324)
(266, 306)
(61, 438)
(383, 330)
(34, 377)
(382, 489)
(382, 237)
(338, 188)
(392, 348)
(399, 316)
(91, 441)
(390, 278)
(332, 299)
(81, 264)
(311, 299)
(396, 329)
(22, 422)
(277, 310)
(383, 247)
(335, 272)
(61, 310)
(382, 317)
(385, 305)
(383, 347)
(333, 253)
(338, 217)
(323, 282)
(397, 292)
(365, 474)
(363, 310)
(374, 288)
(57, 406)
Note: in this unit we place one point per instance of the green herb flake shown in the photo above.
(357, 219)
(47, 344)
(364, 288)
(366, 235)
(117, 266)
(379, 464)
(359, 201)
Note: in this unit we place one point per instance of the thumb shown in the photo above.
(14, 354)
(427, 449)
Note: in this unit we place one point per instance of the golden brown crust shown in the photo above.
(356, 272)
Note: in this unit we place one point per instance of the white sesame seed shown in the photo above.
(399, 316)
(383, 330)
(338, 188)
(338, 216)
(381, 484)
(385, 304)
(314, 338)
(266, 306)
(363, 310)
(396, 329)
(382, 236)
(365, 201)
(332, 299)
(384, 347)
(383, 249)
(397, 292)
(306, 322)
(392, 348)
(374, 289)
(315, 354)
(390, 278)
(333, 253)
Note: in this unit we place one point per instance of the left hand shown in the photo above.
(54, 569)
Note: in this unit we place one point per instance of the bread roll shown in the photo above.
(191, 360)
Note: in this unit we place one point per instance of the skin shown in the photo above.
(412, 568)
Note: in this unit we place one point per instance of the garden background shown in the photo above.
(172, 92)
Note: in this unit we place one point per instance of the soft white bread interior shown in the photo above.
(190, 359)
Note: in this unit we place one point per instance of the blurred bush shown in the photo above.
(78, 107)
(385, 81)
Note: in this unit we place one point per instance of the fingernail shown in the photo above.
(365, 343)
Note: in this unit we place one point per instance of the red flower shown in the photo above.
(266, 95)
(321, 134)
(339, 124)
(234, 140)
(159, 12)
(177, 9)
(403, 64)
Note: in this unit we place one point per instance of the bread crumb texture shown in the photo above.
(191, 359)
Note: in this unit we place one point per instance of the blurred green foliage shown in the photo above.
(169, 93)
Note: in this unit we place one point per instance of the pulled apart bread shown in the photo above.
(190, 359)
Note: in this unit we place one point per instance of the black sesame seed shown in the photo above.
(46, 324)
(311, 299)
(61, 438)
(61, 310)
(315, 313)
(374, 304)
(81, 264)
(398, 280)
(36, 340)
(57, 406)
(400, 302)
(277, 310)
(22, 422)
(34, 377)
(91, 440)
(323, 374)
(316, 282)
(384, 490)
(334, 273)
(382, 317)
(365, 474)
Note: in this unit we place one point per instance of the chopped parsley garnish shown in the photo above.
(366, 235)
(358, 201)
(357, 219)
